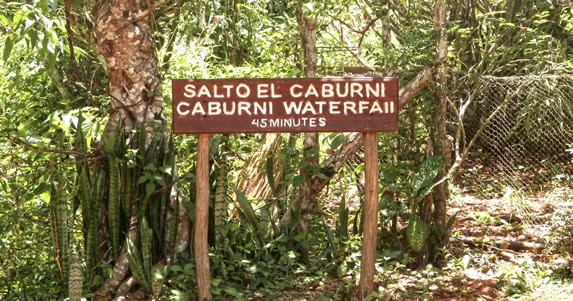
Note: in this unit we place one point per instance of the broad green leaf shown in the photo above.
(249, 213)
(150, 188)
(269, 169)
(424, 175)
(8, 44)
(53, 4)
(4, 20)
(51, 56)
(297, 180)
(338, 140)
(390, 172)
(48, 23)
(18, 17)
(232, 291)
(33, 34)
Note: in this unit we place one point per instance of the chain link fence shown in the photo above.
(519, 131)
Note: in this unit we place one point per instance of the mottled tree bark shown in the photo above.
(124, 39)
(307, 29)
(441, 136)
(306, 198)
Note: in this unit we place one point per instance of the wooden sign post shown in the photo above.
(369, 232)
(200, 243)
(220, 106)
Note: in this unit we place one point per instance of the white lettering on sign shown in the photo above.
(183, 111)
(198, 109)
(243, 91)
(311, 91)
(313, 122)
(250, 105)
(265, 90)
(213, 108)
(333, 107)
(328, 90)
(295, 91)
(217, 91)
(318, 107)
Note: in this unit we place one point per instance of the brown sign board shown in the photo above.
(219, 106)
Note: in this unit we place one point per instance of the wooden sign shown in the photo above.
(285, 105)
(221, 106)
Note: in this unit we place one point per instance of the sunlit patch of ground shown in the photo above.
(541, 270)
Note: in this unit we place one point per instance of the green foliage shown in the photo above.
(414, 185)
(248, 213)
(23, 225)
(36, 127)
(421, 181)
(410, 180)
(40, 27)
(535, 108)
(523, 278)
(136, 265)
(27, 97)
(417, 233)
(57, 164)
(508, 39)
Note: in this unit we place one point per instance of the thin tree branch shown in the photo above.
(354, 53)
(53, 150)
(68, 15)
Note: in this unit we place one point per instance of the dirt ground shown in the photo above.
(506, 248)
(503, 248)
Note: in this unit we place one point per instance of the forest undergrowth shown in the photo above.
(498, 250)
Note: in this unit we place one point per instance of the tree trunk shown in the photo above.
(307, 28)
(155, 212)
(441, 141)
(124, 39)
(306, 198)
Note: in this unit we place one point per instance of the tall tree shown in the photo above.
(441, 135)
(123, 31)
(306, 199)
